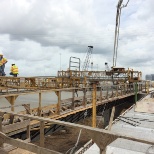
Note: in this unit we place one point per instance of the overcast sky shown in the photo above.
(34, 34)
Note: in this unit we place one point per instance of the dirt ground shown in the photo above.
(65, 139)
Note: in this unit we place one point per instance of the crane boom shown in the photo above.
(87, 59)
(119, 8)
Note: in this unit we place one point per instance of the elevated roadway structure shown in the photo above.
(93, 101)
(103, 138)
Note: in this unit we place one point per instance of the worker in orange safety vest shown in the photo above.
(1, 65)
(3, 61)
(14, 70)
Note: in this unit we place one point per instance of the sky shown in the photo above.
(40, 36)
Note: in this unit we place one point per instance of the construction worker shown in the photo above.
(14, 70)
(3, 61)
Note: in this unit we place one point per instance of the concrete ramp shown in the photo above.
(146, 105)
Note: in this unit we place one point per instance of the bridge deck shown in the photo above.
(65, 107)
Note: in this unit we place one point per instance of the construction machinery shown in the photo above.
(87, 59)
(127, 75)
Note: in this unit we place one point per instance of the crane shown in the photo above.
(87, 59)
(119, 8)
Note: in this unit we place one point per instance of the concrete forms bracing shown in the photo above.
(71, 78)
(25, 120)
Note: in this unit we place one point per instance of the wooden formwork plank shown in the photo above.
(111, 118)
(27, 146)
(13, 127)
(42, 133)
(90, 129)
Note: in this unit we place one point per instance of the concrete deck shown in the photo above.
(137, 124)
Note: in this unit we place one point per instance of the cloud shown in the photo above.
(35, 32)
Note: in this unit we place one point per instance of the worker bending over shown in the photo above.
(14, 70)
(3, 61)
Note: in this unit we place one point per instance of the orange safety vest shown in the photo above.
(4, 60)
(14, 69)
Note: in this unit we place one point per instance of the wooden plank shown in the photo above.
(111, 118)
(8, 147)
(59, 102)
(27, 146)
(6, 116)
(28, 132)
(75, 99)
(15, 126)
(35, 91)
(35, 110)
(12, 102)
(40, 103)
(27, 107)
(104, 133)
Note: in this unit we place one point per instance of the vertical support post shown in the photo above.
(11, 118)
(135, 92)
(121, 91)
(73, 95)
(42, 133)
(94, 106)
(1, 123)
(112, 91)
(124, 89)
(111, 118)
(107, 93)
(28, 132)
(59, 102)
(40, 103)
(1, 143)
(12, 103)
(101, 94)
(117, 90)
(84, 97)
